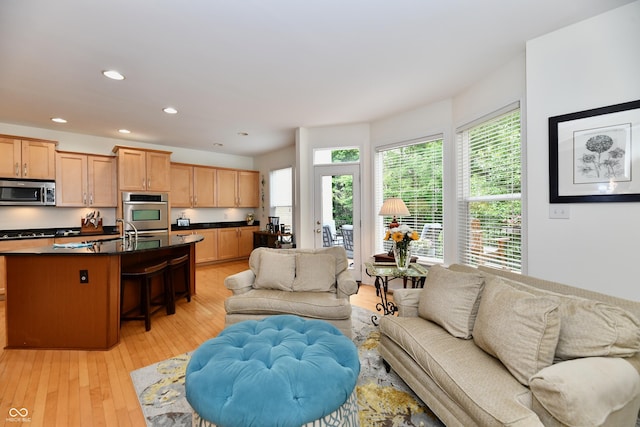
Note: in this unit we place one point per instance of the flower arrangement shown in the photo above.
(401, 236)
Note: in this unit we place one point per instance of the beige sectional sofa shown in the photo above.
(311, 283)
(488, 347)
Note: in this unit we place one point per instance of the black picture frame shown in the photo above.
(594, 155)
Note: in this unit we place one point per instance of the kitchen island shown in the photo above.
(68, 296)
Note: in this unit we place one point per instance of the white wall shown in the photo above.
(591, 64)
(52, 217)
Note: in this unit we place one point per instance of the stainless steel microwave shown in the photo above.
(34, 193)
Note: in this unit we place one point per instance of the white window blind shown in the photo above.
(413, 172)
(489, 191)
(281, 195)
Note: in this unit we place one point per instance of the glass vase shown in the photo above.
(402, 255)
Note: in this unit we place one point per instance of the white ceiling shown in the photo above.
(264, 67)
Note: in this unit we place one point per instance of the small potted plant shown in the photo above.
(250, 218)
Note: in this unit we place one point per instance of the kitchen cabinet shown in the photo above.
(192, 186)
(10, 245)
(27, 158)
(237, 188)
(207, 249)
(85, 180)
(143, 170)
(235, 242)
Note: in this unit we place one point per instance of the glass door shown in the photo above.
(337, 210)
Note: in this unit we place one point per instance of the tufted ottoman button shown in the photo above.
(281, 371)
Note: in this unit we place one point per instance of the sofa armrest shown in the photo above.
(346, 284)
(240, 283)
(589, 391)
(407, 301)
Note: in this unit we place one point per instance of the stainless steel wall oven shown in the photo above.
(148, 212)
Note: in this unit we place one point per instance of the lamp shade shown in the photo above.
(394, 206)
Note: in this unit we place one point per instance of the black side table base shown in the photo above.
(387, 307)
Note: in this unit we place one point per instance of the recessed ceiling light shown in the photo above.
(113, 74)
(124, 131)
(170, 110)
(243, 133)
(58, 120)
(217, 144)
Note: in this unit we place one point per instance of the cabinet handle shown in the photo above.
(195, 201)
(17, 169)
(149, 184)
(25, 169)
(84, 198)
(144, 182)
(91, 199)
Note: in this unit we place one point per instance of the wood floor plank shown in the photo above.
(94, 388)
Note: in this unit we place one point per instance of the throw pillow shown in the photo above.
(585, 392)
(315, 273)
(277, 271)
(451, 300)
(590, 328)
(518, 328)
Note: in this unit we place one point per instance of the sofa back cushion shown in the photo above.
(519, 328)
(338, 253)
(590, 328)
(451, 299)
(276, 271)
(315, 272)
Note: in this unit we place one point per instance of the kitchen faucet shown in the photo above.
(124, 233)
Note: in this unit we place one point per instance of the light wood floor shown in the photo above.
(93, 388)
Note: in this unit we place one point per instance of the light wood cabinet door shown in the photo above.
(38, 160)
(245, 242)
(207, 249)
(10, 157)
(228, 243)
(85, 180)
(71, 179)
(181, 185)
(132, 175)
(226, 183)
(101, 181)
(27, 159)
(248, 189)
(158, 171)
(204, 187)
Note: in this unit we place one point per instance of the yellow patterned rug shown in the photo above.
(384, 399)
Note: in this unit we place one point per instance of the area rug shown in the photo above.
(384, 399)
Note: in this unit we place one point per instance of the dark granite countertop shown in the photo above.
(113, 246)
(203, 225)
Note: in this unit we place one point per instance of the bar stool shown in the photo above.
(175, 264)
(144, 274)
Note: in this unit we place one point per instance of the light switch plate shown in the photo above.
(558, 211)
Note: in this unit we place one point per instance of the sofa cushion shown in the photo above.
(476, 382)
(315, 273)
(518, 328)
(277, 271)
(585, 392)
(451, 300)
(315, 305)
(590, 328)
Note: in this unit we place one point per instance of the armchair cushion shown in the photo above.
(451, 299)
(518, 328)
(277, 271)
(581, 392)
(315, 273)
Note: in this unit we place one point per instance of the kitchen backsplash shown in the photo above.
(25, 217)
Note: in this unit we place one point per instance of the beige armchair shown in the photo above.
(310, 283)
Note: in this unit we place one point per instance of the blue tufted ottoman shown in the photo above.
(281, 371)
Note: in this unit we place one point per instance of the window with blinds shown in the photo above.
(281, 195)
(412, 171)
(489, 191)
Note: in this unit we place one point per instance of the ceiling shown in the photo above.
(261, 67)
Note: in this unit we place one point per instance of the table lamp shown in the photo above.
(394, 207)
